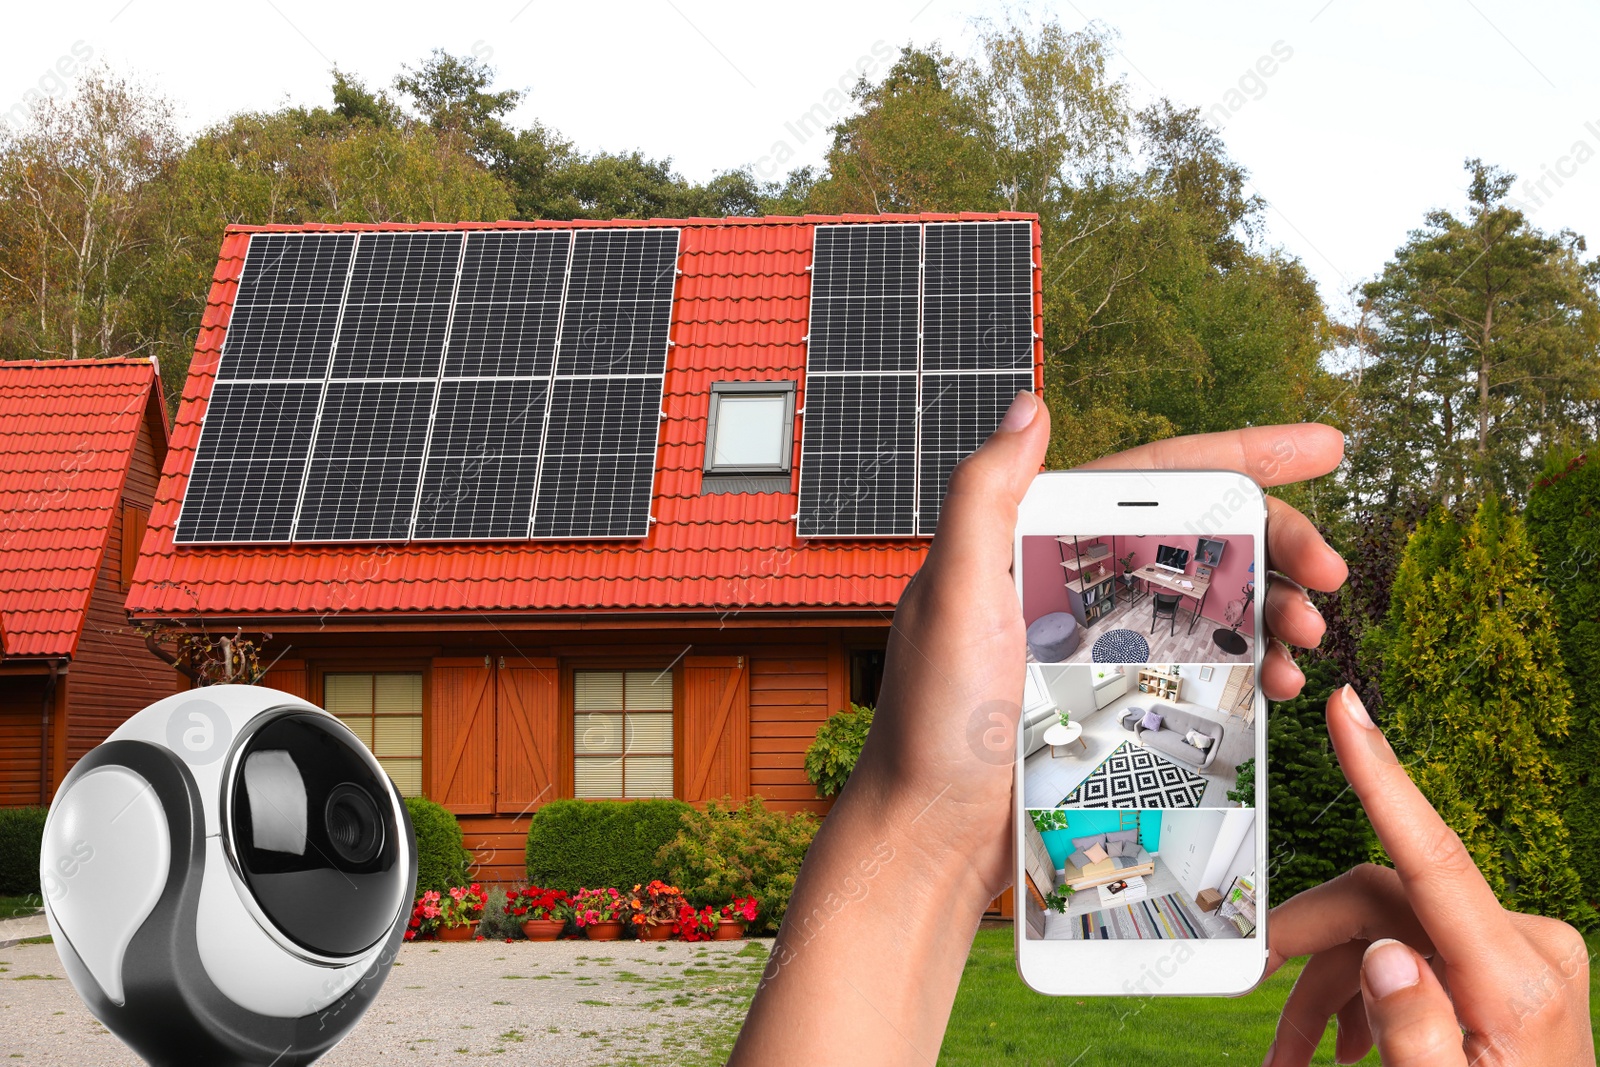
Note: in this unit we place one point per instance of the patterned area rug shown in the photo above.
(1120, 646)
(1170, 918)
(1135, 777)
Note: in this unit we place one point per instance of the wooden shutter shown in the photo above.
(461, 735)
(288, 676)
(134, 521)
(715, 728)
(528, 731)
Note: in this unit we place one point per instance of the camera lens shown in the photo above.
(354, 827)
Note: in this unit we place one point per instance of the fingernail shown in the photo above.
(1272, 1050)
(1312, 604)
(1389, 967)
(1020, 413)
(1356, 709)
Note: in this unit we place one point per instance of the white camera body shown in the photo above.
(228, 878)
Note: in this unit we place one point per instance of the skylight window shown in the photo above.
(751, 428)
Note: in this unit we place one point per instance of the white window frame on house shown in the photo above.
(635, 727)
(388, 719)
(774, 390)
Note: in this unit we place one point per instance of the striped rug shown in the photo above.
(1172, 917)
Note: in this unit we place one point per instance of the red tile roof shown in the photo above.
(67, 434)
(740, 312)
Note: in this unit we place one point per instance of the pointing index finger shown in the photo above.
(1271, 455)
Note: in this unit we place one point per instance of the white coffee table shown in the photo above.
(1136, 890)
(1064, 734)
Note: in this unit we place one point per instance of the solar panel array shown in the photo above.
(437, 385)
(921, 335)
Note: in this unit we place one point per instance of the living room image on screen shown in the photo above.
(1134, 598)
(1140, 874)
(1138, 735)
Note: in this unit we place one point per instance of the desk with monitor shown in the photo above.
(1185, 585)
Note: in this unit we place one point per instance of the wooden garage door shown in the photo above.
(21, 740)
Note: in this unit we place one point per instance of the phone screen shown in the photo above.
(1140, 741)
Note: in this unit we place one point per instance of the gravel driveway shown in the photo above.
(570, 1002)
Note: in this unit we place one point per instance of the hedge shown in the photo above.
(729, 851)
(441, 858)
(21, 839)
(594, 844)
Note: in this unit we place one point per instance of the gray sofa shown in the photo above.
(1175, 722)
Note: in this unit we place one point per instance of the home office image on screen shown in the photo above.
(1139, 598)
(1140, 875)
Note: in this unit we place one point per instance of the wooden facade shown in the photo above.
(498, 710)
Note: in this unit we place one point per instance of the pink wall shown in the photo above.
(1043, 590)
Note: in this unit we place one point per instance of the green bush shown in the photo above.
(441, 858)
(21, 837)
(832, 756)
(727, 851)
(599, 844)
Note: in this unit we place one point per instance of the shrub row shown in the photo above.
(441, 858)
(21, 838)
(585, 844)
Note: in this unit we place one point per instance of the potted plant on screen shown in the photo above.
(543, 913)
(653, 910)
(735, 917)
(459, 911)
(599, 913)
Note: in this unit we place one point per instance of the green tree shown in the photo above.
(1479, 353)
(1475, 701)
(1564, 523)
(1317, 829)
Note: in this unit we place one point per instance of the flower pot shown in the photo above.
(729, 930)
(455, 933)
(543, 929)
(658, 932)
(607, 931)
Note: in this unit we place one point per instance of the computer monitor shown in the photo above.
(1176, 558)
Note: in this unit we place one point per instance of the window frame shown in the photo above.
(373, 669)
(570, 715)
(787, 390)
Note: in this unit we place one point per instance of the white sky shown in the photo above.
(1351, 140)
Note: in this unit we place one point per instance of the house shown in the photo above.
(81, 448)
(504, 567)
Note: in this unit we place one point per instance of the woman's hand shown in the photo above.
(870, 955)
(1422, 960)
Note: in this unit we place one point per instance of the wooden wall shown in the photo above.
(21, 738)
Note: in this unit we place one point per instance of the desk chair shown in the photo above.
(1164, 606)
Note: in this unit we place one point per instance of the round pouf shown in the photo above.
(1120, 646)
(1130, 719)
(1054, 637)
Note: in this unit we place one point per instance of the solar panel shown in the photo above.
(251, 457)
(858, 454)
(977, 300)
(959, 412)
(598, 466)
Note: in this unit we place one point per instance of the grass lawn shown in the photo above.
(11, 907)
(999, 1020)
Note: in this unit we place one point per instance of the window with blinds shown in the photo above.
(385, 711)
(622, 734)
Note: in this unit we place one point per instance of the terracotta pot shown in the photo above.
(543, 929)
(659, 932)
(608, 931)
(729, 930)
(456, 933)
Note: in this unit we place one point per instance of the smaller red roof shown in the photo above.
(67, 433)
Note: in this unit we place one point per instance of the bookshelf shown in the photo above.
(1158, 683)
(1090, 580)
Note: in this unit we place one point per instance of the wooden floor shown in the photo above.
(1159, 884)
(1165, 646)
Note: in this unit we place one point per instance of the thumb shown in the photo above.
(980, 503)
(1413, 1023)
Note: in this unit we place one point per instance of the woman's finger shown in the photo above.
(1366, 903)
(1355, 1034)
(1281, 677)
(1270, 455)
(1326, 984)
(1291, 615)
(1296, 549)
(1447, 893)
(1413, 1022)
(980, 504)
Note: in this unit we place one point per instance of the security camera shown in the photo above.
(228, 879)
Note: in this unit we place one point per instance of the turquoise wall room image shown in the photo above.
(1082, 823)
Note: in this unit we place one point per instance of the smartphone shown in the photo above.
(1140, 820)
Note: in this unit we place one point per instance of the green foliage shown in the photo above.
(1476, 701)
(495, 924)
(1059, 898)
(1047, 819)
(600, 844)
(729, 851)
(832, 756)
(21, 838)
(1244, 790)
(441, 859)
(1564, 523)
(1317, 829)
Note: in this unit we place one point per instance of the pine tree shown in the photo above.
(1564, 523)
(1476, 702)
(1317, 828)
